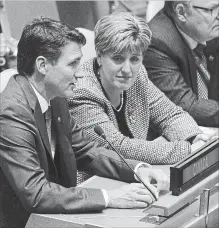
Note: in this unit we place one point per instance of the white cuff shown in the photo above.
(106, 197)
(139, 165)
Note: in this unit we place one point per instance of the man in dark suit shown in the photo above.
(175, 61)
(39, 157)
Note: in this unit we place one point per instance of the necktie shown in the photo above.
(200, 53)
(51, 136)
(203, 77)
(48, 122)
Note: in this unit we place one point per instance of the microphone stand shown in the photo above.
(103, 136)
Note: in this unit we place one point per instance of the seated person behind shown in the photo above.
(8, 59)
(8, 52)
(175, 61)
(39, 157)
(117, 95)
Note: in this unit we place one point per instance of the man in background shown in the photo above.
(175, 61)
(8, 52)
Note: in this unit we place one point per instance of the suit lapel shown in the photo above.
(35, 106)
(60, 118)
(186, 53)
(65, 157)
(42, 127)
(183, 50)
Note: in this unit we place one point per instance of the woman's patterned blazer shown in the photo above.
(145, 104)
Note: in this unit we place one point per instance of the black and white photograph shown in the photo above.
(109, 114)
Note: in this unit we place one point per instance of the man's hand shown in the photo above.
(130, 196)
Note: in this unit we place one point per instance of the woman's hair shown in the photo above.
(46, 37)
(119, 32)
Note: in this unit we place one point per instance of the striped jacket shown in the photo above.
(144, 104)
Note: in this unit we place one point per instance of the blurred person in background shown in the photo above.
(116, 94)
(135, 7)
(175, 60)
(8, 59)
(8, 52)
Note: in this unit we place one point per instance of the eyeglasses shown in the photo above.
(214, 10)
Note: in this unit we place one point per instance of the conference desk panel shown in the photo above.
(129, 218)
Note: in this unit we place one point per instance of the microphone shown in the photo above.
(100, 132)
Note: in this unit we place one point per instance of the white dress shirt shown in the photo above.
(44, 107)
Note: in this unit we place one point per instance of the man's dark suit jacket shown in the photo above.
(212, 54)
(31, 180)
(172, 69)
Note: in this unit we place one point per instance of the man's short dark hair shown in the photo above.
(44, 37)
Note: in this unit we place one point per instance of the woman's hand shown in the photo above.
(200, 140)
(202, 137)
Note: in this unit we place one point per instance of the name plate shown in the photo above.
(189, 171)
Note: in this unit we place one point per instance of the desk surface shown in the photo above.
(129, 218)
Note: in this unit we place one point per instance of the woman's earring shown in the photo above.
(99, 61)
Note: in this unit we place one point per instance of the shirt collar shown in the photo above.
(192, 43)
(43, 103)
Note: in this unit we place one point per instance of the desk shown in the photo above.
(125, 218)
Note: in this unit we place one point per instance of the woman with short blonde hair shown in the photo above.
(122, 31)
(117, 95)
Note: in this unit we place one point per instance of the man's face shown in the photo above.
(203, 22)
(61, 76)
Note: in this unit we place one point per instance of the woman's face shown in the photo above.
(119, 70)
